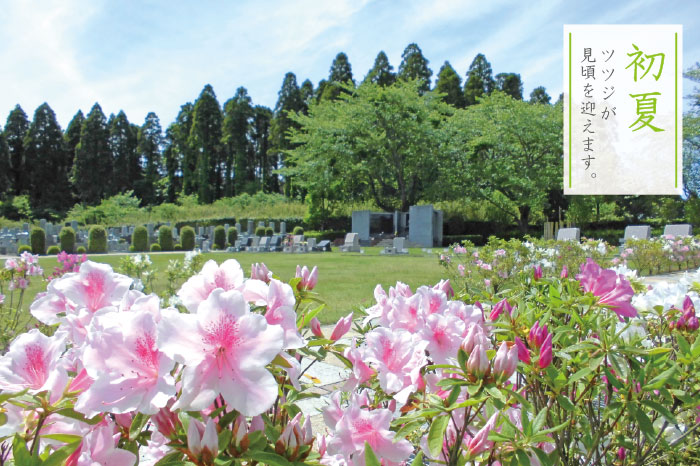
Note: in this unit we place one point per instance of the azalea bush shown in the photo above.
(15, 278)
(663, 254)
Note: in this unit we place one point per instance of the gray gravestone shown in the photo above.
(74, 226)
(250, 228)
(569, 234)
(678, 230)
(283, 228)
(360, 224)
(638, 232)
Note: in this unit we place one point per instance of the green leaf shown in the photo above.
(522, 457)
(69, 412)
(555, 429)
(661, 409)
(172, 459)
(225, 439)
(612, 380)
(542, 456)
(310, 315)
(408, 428)
(539, 421)
(370, 458)
(661, 379)
(436, 434)
(319, 342)
(496, 393)
(64, 438)
(454, 394)
(137, 424)
(418, 460)
(59, 456)
(268, 458)
(280, 361)
(565, 403)
(20, 452)
(580, 374)
(645, 424)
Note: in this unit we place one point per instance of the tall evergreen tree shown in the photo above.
(71, 137)
(150, 141)
(92, 167)
(4, 166)
(450, 84)
(15, 131)
(239, 165)
(204, 141)
(340, 73)
(289, 101)
(260, 140)
(382, 72)
(539, 96)
(511, 84)
(46, 154)
(415, 66)
(180, 161)
(479, 80)
(122, 145)
(307, 93)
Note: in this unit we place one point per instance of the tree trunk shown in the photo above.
(524, 218)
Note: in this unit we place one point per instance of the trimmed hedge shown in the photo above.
(232, 235)
(67, 239)
(187, 238)
(81, 250)
(220, 237)
(260, 231)
(269, 231)
(37, 239)
(177, 247)
(165, 238)
(155, 247)
(97, 240)
(24, 248)
(139, 239)
(53, 250)
(298, 231)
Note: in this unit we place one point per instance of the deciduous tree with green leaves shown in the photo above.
(506, 152)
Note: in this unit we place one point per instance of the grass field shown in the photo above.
(346, 280)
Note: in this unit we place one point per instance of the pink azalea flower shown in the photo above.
(480, 442)
(505, 362)
(537, 334)
(341, 327)
(227, 276)
(225, 349)
(461, 269)
(34, 362)
(279, 299)
(444, 336)
(315, 325)
(475, 336)
(499, 308)
(51, 307)
(100, 448)
(361, 372)
(406, 313)
(611, 289)
(397, 356)
(96, 286)
(564, 272)
(308, 279)
(295, 435)
(358, 426)
(432, 300)
(446, 287)
(259, 271)
(546, 352)
(537, 273)
(129, 372)
(523, 352)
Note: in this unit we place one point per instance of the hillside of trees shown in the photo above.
(392, 138)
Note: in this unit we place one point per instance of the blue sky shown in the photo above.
(143, 56)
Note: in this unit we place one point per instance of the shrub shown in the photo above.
(177, 247)
(67, 239)
(165, 238)
(24, 248)
(155, 247)
(260, 231)
(215, 247)
(219, 237)
(298, 231)
(97, 239)
(232, 236)
(37, 238)
(139, 239)
(81, 250)
(269, 231)
(53, 250)
(131, 249)
(187, 238)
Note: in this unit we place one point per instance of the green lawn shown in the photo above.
(346, 280)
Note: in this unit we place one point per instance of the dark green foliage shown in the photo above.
(306, 91)
(220, 237)
(180, 161)
(269, 231)
(288, 102)
(45, 153)
(205, 141)
(122, 145)
(24, 248)
(259, 231)
(479, 80)
(177, 247)
(232, 235)
(165, 238)
(382, 72)
(155, 247)
(239, 158)
(260, 137)
(150, 140)
(67, 239)
(511, 84)
(298, 231)
(37, 239)
(81, 250)
(4, 166)
(53, 250)
(450, 84)
(187, 238)
(340, 73)
(97, 240)
(539, 96)
(15, 131)
(93, 160)
(415, 66)
(139, 239)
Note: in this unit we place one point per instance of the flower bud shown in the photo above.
(499, 307)
(341, 327)
(537, 273)
(480, 442)
(259, 271)
(546, 352)
(316, 327)
(478, 362)
(505, 362)
(564, 272)
(523, 352)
